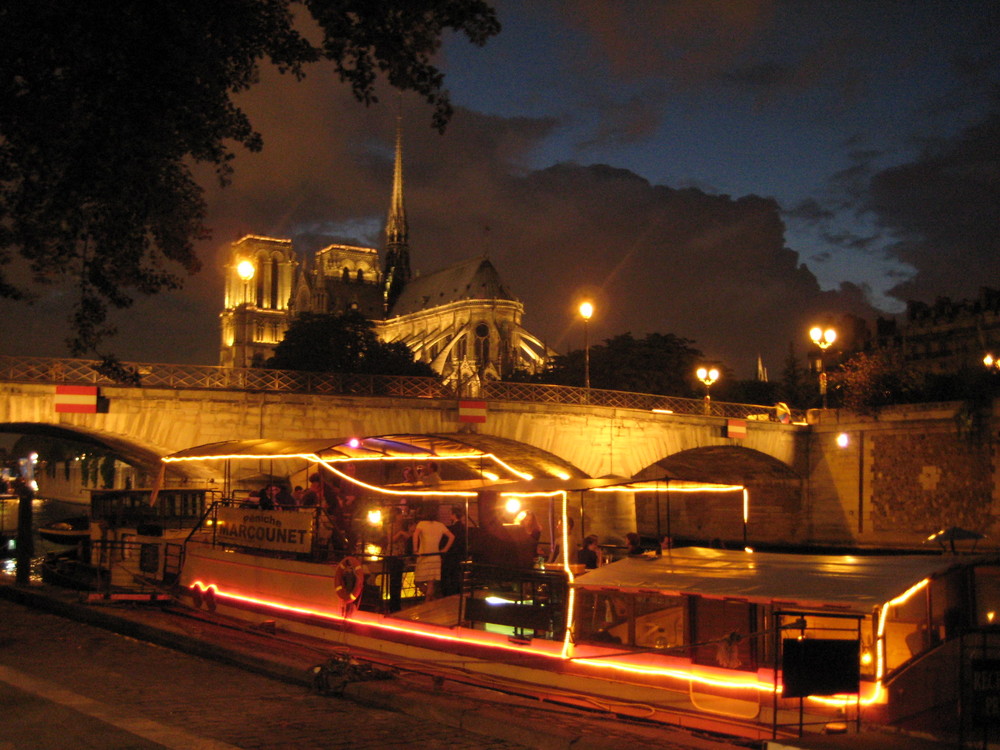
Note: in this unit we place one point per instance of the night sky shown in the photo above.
(729, 172)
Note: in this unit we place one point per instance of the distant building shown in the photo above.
(946, 336)
(461, 320)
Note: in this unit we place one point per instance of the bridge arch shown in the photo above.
(142, 457)
(775, 495)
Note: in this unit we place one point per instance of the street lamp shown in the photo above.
(245, 270)
(707, 376)
(586, 311)
(991, 362)
(822, 338)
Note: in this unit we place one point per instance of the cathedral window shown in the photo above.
(482, 344)
(273, 302)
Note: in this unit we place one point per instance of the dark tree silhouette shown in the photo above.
(660, 363)
(105, 106)
(342, 342)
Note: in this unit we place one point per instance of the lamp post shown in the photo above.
(245, 270)
(991, 362)
(822, 337)
(586, 311)
(707, 376)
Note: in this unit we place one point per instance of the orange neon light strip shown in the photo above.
(414, 490)
(402, 628)
(673, 488)
(611, 664)
(879, 694)
(571, 599)
(326, 462)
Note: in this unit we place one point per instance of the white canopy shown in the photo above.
(847, 582)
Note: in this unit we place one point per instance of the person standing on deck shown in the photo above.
(427, 538)
(451, 563)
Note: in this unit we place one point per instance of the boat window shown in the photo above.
(721, 633)
(647, 621)
(906, 630)
(948, 608)
(660, 621)
(987, 596)
(603, 617)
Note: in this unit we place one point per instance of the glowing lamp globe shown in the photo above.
(245, 270)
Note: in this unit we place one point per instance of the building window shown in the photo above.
(275, 267)
(482, 344)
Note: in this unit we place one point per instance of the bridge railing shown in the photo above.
(209, 377)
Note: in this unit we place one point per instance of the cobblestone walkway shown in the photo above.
(102, 688)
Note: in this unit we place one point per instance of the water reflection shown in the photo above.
(43, 511)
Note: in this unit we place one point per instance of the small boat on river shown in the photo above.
(758, 645)
(68, 531)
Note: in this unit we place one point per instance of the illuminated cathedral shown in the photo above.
(461, 320)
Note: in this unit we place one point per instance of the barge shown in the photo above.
(759, 645)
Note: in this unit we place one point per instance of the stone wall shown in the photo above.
(896, 479)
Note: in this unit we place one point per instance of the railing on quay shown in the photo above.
(209, 377)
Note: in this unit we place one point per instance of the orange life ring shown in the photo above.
(349, 579)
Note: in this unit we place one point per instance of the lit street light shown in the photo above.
(586, 311)
(245, 270)
(822, 338)
(707, 376)
(991, 362)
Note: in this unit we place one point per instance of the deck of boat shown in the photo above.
(444, 611)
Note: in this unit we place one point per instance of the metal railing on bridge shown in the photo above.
(209, 377)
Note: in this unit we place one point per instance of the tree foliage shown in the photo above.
(342, 342)
(869, 380)
(797, 388)
(105, 106)
(660, 363)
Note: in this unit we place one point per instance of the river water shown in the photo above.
(44, 511)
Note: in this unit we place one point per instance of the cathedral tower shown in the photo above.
(254, 318)
(397, 248)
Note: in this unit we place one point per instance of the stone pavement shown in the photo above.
(80, 686)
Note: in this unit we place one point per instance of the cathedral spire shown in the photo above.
(397, 248)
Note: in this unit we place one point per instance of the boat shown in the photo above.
(69, 531)
(125, 545)
(751, 644)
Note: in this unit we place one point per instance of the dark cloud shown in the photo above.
(809, 210)
(655, 259)
(687, 41)
(712, 268)
(944, 208)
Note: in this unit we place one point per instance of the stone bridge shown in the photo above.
(836, 479)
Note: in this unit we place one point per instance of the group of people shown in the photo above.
(439, 550)
(336, 505)
(591, 556)
(426, 474)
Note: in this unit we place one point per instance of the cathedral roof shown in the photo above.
(475, 278)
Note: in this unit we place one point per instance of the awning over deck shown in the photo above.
(463, 463)
(856, 584)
